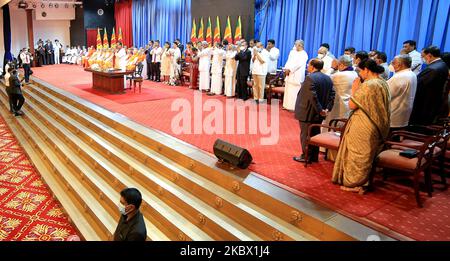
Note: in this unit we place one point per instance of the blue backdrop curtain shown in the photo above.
(161, 20)
(6, 36)
(364, 24)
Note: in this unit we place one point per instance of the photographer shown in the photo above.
(26, 58)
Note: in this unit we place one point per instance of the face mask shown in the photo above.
(391, 68)
(243, 48)
(321, 56)
(424, 61)
(122, 209)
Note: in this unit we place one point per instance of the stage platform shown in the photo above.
(390, 210)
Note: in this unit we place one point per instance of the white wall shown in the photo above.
(19, 33)
(43, 29)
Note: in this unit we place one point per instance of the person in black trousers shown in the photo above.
(15, 91)
(243, 71)
(26, 64)
(148, 59)
(430, 88)
(314, 100)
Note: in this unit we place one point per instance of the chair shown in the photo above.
(185, 76)
(329, 140)
(390, 159)
(442, 134)
(137, 73)
(136, 77)
(276, 87)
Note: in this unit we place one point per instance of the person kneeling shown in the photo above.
(14, 91)
(131, 225)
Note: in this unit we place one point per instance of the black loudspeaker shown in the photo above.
(232, 154)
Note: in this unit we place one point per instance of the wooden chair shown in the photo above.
(276, 87)
(137, 77)
(329, 140)
(442, 134)
(390, 159)
(136, 74)
(185, 76)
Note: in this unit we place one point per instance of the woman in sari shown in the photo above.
(366, 130)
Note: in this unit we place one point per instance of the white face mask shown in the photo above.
(321, 56)
(122, 209)
(391, 68)
(243, 48)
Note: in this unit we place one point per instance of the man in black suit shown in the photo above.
(244, 57)
(180, 46)
(314, 100)
(14, 91)
(430, 88)
(50, 54)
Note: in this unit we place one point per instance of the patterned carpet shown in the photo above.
(391, 206)
(28, 212)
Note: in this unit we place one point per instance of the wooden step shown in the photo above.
(201, 164)
(177, 228)
(255, 219)
(82, 224)
(60, 177)
(222, 227)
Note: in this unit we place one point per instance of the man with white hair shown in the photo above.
(204, 64)
(294, 69)
(342, 82)
(326, 59)
(402, 87)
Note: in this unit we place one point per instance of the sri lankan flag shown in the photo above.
(208, 32)
(99, 40)
(200, 31)
(105, 40)
(113, 39)
(227, 35)
(119, 38)
(217, 31)
(238, 32)
(194, 32)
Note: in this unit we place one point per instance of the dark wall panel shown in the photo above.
(93, 20)
(224, 8)
(77, 32)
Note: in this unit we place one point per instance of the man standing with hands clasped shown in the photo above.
(314, 100)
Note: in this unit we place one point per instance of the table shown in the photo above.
(110, 81)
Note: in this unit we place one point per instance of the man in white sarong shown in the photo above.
(230, 70)
(295, 69)
(218, 55)
(121, 60)
(204, 66)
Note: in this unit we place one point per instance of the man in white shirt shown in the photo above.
(176, 66)
(322, 54)
(155, 55)
(410, 48)
(57, 50)
(218, 55)
(381, 59)
(26, 58)
(260, 60)
(295, 71)
(121, 57)
(274, 55)
(342, 82)
(327, 47)
(204, 64)
(402, 87)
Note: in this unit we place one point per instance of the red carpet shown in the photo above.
(129, 96)
(28, 211)
(392, 205)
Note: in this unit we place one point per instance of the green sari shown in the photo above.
(364, 135)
